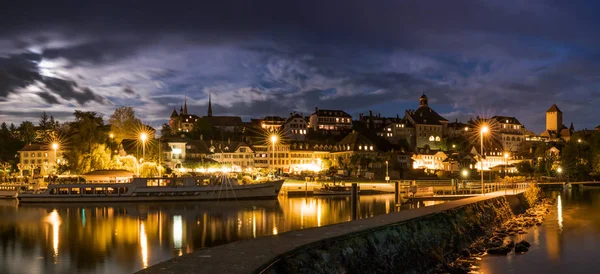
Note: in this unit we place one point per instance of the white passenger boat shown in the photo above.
(153, 189)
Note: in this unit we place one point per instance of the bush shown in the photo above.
(532, 194)
(247, 180)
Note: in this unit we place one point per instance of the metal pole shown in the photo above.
(396, 188)
(159, 158)
(354, 200)
(482, 186)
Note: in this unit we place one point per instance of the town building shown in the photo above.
(429, 126)
(376, 122)
(511, 132)
(333, 122)
(295, 127)
(398, 131)
(429, 159)
(237, 155)
(353, 144)
(39, 159)
(223, 123)
(270, 123)
(182, 121)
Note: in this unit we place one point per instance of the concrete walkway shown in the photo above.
(250, 256)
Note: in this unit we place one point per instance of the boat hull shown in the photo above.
(261, 191)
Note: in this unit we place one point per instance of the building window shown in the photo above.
(437, 138)
(371, 147)
(26, 161)
(431, 138)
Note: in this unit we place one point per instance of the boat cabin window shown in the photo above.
(158, 182)
(178, 182)
(88, 190)
(122, 190)
(100, 190)
(75, 190)
(203, 182)
(111, 190)
(63, 191)
(53, 191)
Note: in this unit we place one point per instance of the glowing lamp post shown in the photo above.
(143, 137)
(484, 130)
(55, 147)
(273, 141)
(387, 176)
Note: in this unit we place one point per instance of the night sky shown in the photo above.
(259, 58)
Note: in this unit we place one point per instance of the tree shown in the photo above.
(44, 121)
(27, 132)
(53, 124)
(124, 124)
(165, 130)
(88, 139)
(525, 168)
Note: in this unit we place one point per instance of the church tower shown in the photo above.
(209, 114)
(423, 101)
(554, 119)
(185, 106)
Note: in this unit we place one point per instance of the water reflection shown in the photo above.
(565, 243)
(559, 213)
(143, 245)
(124, 238)
(54, 220)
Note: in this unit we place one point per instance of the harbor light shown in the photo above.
(465, 173)
(559, 170)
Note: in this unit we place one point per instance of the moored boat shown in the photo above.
(328, 189)
(153, 189)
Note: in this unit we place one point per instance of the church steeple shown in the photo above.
(209, 106)
(185, 106)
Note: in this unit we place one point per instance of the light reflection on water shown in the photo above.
(567, 241)
(122, 239)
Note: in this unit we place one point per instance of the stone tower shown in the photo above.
(554, 119)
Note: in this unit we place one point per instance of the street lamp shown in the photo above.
(387, 176)
(143, 137)
(55, 147)
(484, 130)
(506, 156)
(273, 141)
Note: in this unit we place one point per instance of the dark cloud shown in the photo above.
(22, 70)
(272, 57)
(128, 90)
(18, 71)
(49, 98)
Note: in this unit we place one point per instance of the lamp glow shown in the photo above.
(485, 129)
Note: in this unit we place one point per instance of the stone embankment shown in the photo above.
(424, 240)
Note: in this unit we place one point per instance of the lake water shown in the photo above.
(567, 242)
(105, 238)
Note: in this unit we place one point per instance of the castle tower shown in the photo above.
(554, 119)
(209, 114)
(423, 100)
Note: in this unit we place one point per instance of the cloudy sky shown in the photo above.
(261, 58)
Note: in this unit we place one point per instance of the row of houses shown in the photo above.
(423, 132)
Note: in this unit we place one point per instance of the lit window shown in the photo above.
(431, 138)
(437, 138)
(371, 148)
(359, 147)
